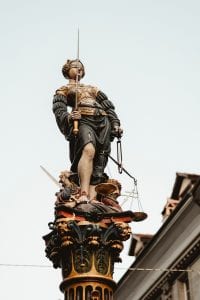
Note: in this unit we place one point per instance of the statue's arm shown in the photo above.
(109, 107)
(61, 113)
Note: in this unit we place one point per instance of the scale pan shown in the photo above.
(139, 216)
(105, 188)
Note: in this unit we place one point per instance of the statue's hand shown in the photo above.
(117, 131)
(75, 115)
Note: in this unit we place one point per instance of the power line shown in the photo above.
(117, 268)
(25, 265)
(162, 270)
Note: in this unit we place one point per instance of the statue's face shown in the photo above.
(73, 72)
(75, 68)
(61, 225)
(116, 193)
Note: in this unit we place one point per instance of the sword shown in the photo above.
(75, 128)
(51, 177)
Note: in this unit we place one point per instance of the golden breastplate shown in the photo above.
(85, 93)
(87, 104)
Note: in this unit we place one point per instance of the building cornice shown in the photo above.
(169, 276)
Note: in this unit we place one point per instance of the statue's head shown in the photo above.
(116, 193)
(116, 183)
(70, 68)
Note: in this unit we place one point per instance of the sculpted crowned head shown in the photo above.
(71, 68)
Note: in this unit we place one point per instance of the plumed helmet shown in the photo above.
(70, 64)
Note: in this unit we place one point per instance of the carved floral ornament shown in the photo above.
(69, 234)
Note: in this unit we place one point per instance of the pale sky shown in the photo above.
(145, 56)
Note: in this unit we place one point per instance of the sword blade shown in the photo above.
(51, 177)
(78, 46)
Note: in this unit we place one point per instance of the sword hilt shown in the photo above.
(75, 128)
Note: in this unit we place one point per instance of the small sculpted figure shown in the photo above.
(109, 198)
(98, 124)
(70, 192)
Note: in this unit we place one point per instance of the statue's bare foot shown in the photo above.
(83, 198)
(94, 200)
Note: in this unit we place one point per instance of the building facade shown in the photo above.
(167, 267)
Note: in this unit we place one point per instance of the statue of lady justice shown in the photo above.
(98, 124)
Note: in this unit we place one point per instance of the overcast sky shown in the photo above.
(145, 56)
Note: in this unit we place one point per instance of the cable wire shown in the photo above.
(117, 268)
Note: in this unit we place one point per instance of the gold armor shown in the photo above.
(86, 98)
